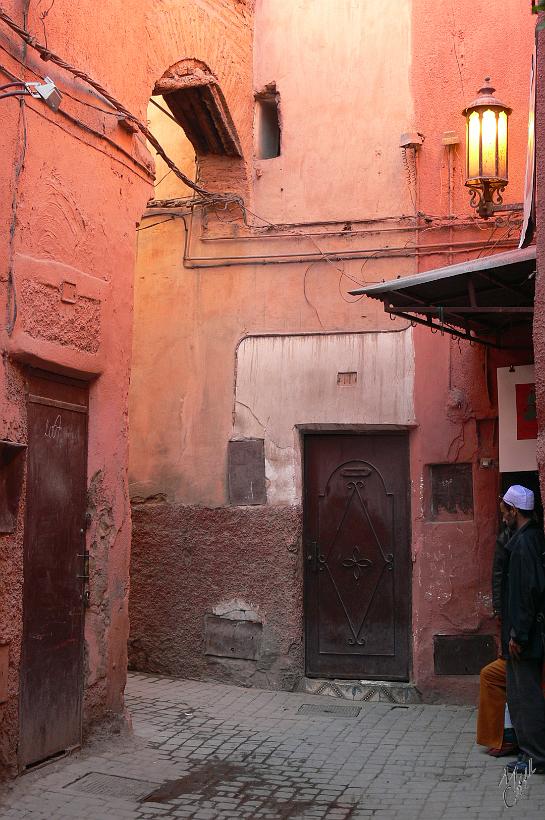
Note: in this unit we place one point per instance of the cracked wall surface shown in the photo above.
(197, 558)
(78, 198)
(342, 206)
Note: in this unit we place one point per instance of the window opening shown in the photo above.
(268, 124)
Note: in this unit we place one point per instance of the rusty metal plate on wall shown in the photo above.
(451, 492)
(226, 638)
(246, 472)
(462, 654)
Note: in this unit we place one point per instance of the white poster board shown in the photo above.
(517, 424)
(529, 222)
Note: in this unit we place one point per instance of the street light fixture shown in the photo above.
(486, 150)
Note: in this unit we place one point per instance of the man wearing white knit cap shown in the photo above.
(522, 624)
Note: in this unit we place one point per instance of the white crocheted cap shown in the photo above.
(520, 497)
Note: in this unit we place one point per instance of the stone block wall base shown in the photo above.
(364, 690)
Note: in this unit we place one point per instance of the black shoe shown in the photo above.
(523, 765)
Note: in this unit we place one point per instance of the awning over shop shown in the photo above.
(477, 300)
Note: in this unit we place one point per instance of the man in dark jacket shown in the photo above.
(499, 568)
(522, 622)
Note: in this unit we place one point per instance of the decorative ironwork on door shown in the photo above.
(357, 560)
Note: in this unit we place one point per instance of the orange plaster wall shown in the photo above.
(189, 318)
(78, 202)
(539, 316)
(350, 80)
(343, 107)
(454, 47)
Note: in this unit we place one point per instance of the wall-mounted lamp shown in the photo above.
(486, 150)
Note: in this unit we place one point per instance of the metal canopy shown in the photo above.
(477, 300)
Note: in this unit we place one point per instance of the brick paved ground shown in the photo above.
(214, 751)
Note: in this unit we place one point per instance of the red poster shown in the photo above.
(526, 411)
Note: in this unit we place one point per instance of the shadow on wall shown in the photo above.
(226, 593)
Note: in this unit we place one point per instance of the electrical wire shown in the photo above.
(11, 303)
(10, 85)
(22, 92)
(43, 15)
(65, 92)
(305, 295)
(156, 184)
(58, 124)
(162, 222)
(164, 110)
(99, 134)
(48, 55)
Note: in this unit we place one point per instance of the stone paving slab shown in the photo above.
(211, 752)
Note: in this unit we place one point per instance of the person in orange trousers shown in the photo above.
(490, 719)
(493, 679)
(491, 715)
(491, 729)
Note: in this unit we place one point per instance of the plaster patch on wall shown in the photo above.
(237, 610)
(45, 316)
(102, 536)
(283, 382)
(59, 227)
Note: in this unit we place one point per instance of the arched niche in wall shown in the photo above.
(197, 103)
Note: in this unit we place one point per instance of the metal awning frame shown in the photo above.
(441, 328)
(461, 321)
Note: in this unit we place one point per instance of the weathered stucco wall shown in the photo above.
(219, 34)
(339, 160)
(286, 383)
(539, 315)
(78, 198)
(191, 318)
(343, 204)
(232, 562)
(455, 393)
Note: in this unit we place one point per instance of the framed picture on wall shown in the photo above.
(517, 418)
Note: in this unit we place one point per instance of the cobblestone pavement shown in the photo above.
(205, 750)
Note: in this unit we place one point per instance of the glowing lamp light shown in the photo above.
(486, 150)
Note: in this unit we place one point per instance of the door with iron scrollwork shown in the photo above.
(357, 557)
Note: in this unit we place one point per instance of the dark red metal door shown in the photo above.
(51, 664)
(357, 557)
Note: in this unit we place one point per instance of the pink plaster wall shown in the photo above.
(456, 408)
(339, 188)
(215, 556)
(78, 201)
(539, 315)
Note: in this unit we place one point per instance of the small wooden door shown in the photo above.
(54, 542)
(357, 557)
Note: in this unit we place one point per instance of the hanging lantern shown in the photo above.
(486, 150)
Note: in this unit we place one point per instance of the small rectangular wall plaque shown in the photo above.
(246, 472)
(226, 638)
(462, 654)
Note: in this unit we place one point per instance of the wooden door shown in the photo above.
(357, 557)
(54, 543)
